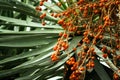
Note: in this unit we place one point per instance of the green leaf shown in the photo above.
(47, 71)
(4, 73)
(63, 4)
(98, 52)
(37, 60)
(100, 71)
(45, 32)
(29, 53)
(9, 72)
(74, 43)
(55, 2)
(56, 73)
(24, 8)
(25, 41)
(18, 22)
(53, 7)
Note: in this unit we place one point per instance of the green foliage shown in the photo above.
(26, 45)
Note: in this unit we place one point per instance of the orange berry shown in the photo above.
(95, 5)
(94, 42)
(55, 15)
(66, 46)
(106, 23)
(103, 48)
(43, 15)
(100, 26)
(117, 2)
(65, 35)
(84, 15)
(95, 29)
(72, 68)
(78, 44)
(93, 53)
(78, 32)
(58, 15)
(81, 1)
(60, 21)
(74, 28)
(106, 18)
(73, 76)
(91, 35)
(79, 53)
(83, 53)
(101, 4)
(38, 8)
(43, 23)
(108, 51)
(116, 35)
(41, 3)
(105, 55)
(54, 57)
(115, 76)
(88, 65)
(96, 11)
(63, 44)
(74, 49)
(85, 47)
(60, 34)
(92, 64)
(92, 49)
(81, 8)
(118, 57)
(93, 58)
(72, 59)
(59, 4)
(67, 62)
(55, 48)
(81, 68)
(84, 25)
(101, 37)
(85, 33)
(88, 41)
(77, 72)
(118, 46)
(73, 62)
(52, 14)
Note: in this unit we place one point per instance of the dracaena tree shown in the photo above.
(43, 39)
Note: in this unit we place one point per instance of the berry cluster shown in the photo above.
(98, 22)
